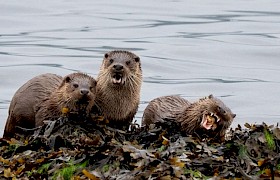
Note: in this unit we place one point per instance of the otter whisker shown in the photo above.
(135, 80)
(132, 84)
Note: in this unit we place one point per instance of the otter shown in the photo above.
(208, 115)
(118, 88)
(43, 98)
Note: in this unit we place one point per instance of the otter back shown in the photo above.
(24, 102)
(165, 107)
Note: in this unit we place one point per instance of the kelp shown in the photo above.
(72, 149)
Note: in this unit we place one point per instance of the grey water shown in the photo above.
(230, 49)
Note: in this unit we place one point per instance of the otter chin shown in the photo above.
(118, 88)
(208, 116)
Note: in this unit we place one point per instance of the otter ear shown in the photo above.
(137, 59)
(233, 115)
(106, 55)
(67, 79)
(210, 96)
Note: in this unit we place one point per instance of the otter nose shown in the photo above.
(84, 91)
(118, 67)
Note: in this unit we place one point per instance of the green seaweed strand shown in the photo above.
(269, 139)
(68, 172)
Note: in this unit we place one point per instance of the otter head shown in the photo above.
(118, 86)
(216, 114)
(120, 69)
(78, 90)
(208, 113)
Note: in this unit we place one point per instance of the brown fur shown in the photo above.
(44, 96)
(189, 115)
(118, 87)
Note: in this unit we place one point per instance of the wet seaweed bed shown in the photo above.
(67, 149)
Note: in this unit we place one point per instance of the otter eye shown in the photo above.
(221, 110)
(127, 62)
(111, 61)
(75, 85)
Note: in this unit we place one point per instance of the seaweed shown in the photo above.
(87, 149)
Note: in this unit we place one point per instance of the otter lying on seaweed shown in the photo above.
(43, 98)
(208, 115)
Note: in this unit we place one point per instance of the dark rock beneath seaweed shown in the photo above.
(68, 149)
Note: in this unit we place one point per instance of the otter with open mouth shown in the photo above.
(208, 116)
(118, 88)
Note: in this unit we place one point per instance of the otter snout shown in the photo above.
(118, 67)
(118, 71)
(84, 91)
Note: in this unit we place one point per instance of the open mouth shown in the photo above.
(117, 78)
(83, 100)
(209, 121)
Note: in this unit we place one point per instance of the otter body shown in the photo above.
(43, 97)
(208, 115)
(118, 88)
(166, 107)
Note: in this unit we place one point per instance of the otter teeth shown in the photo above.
(117, 81)
(209, 120)
(214, 115)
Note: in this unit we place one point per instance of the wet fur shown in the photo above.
(189, 115)
(67, 96)
(119, 102)
(42, 98)
(166, 107)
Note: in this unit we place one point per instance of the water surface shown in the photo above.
(192, 48)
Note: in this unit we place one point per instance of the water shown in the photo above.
(193, 48)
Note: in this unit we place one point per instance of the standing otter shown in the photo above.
(209, 115)
(43, 97)
(118, 88)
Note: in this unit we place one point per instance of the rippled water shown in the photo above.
(187, 47)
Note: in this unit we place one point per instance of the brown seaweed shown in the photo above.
(70, 149)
